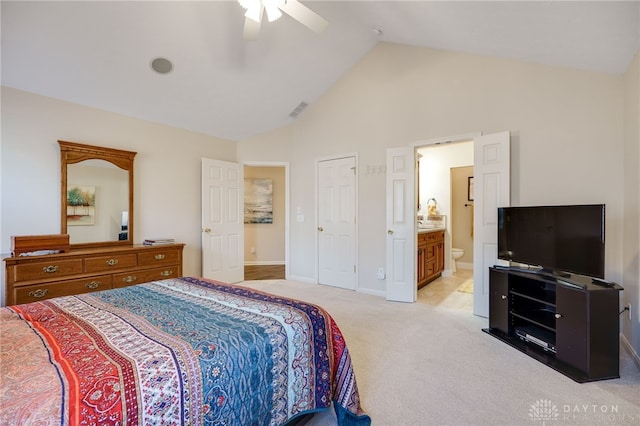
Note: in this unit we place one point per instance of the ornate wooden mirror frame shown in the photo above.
(73, 153)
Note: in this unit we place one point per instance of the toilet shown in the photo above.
(456, 253)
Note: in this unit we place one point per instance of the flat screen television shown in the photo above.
(557, 239)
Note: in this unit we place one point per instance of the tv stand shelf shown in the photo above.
(566, 321)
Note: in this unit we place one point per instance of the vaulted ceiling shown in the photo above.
(99, 53)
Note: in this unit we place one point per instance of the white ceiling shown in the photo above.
(99, 53)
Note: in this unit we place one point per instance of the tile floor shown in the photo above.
(444, 292)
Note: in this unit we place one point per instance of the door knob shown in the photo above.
(207, 230)
(390, 232)
(558, 316)
(320, 228)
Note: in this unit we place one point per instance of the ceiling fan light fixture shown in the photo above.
(254, 13)
(273, 13)
(253, 9)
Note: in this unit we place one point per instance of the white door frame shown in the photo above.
(355, 209)
(285, 165)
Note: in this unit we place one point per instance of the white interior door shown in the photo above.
(401, 231)
(337, 222)
(222, 221)
(491, 170)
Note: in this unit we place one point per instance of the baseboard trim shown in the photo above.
(379, 293)
(464, 265)
(632, 353)
(306, 280)
(264, 263)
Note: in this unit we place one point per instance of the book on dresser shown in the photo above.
(158, 241)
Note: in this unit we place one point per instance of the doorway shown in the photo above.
(444, 170)
(440, 182)
(491, 159)
(265, 221)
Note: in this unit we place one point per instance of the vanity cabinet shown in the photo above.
(32, 278)
(430, 256)
(422, 260)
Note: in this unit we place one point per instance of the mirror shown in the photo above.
(96, 195)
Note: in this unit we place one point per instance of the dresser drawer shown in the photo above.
(159, 257)
(34, 293)
(105, 263)
(47, 270)
(146, 275)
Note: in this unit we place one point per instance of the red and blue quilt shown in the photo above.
(183, 351)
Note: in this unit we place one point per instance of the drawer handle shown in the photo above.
(50, 269)
(112, 262)
(166, 273)
(159, 256)
(92, 285)
(129, 278)
(38, 293)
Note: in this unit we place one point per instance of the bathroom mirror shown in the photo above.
(96, 195)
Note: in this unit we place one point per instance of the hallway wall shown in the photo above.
(268, 239)
(462, 215)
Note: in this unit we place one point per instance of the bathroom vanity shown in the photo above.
(430, 255)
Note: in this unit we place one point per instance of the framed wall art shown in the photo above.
(258, 201)
(81, 205)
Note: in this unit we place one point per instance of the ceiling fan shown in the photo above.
(274, 8)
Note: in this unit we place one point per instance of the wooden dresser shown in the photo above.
(32, 278)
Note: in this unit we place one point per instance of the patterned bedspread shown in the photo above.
(178, 351)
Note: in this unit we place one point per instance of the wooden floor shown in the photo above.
(263, 272)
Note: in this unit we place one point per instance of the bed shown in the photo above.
(177, 351)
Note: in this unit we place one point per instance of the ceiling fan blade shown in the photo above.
(252, 26)
(304, 15)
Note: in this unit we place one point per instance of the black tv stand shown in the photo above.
(568, 323)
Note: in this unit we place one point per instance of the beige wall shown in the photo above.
(566, 126)
(462, 214)
(167, 169)
(571, 132)
(268, 239)
(631, 235)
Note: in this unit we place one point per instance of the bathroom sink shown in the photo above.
(426, 226)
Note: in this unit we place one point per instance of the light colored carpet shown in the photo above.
(423, 364)
(466, 287)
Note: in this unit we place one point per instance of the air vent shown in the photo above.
(297, 110)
